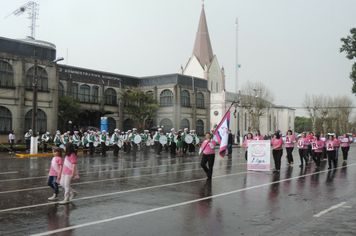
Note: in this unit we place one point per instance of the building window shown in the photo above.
(217, 87)
(127, 101)
(128, 123)
(95, 95)
(6, 74)
(185, 98)
(41, 121)
(200, 128)
(60, 89)
(111, 125)
(5, 120)
(150, 92)
(84, 94)
(200, 100)
(75, 91)
(166, 98)
(216, 113)
(110, 96)
(42, 81)
(184, 124)
(166, 125)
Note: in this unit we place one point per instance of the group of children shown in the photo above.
(63, 172)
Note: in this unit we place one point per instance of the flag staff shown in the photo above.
(224, 115)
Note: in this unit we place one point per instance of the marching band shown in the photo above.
(92, 141)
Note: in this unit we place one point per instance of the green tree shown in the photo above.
(349, 46)
(68, 109)
(302, 124)
(140, 105)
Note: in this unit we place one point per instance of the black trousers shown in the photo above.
(345, 152)
(146, 149)
(125, 147)
(134, 149)
(185, 147)
(191, 147)
(210, 159)
(116, 150)
(28, 143)
(289, 154)
(75, 148)
(277, 155)
(173, 148)
(332, 159)
(44, 146)
(91, 148)
(103, 148)
(128, 150)
(158, 148)
(316, 158)
(246, 155)
(303, 156)
(85, 149)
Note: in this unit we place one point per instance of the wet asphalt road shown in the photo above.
(166, 195)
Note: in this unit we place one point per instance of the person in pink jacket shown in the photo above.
(207, 149)
(249, 138)
(303, 144)
(277, 150)
(317, 146)
(345, 147)
(258, 136)
(289, 143)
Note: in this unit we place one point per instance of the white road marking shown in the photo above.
(105, 180)
(11, 172)
(329, 209)
(174, 205)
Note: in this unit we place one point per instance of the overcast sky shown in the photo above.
(290, 45)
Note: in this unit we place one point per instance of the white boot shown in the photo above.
(53, 198)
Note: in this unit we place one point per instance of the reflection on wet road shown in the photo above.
(166, 195)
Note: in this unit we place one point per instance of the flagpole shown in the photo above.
(225, 115)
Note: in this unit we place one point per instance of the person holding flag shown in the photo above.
(208, 151)
(222, 132)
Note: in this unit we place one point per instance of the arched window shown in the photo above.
(185, 98)
(166, 98)
(6, 74)
(42, 81)
(111, 125)
(150, 92)
(200, 127)
(128, 123)
(41, 121)
(166, 125)
(184, 124)
(84, 93)
(110, 96)
(75, 91)
(200, 100)
(5, 120)
(60, 89)
(95, 94)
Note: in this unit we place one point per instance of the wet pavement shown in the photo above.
(170, 195)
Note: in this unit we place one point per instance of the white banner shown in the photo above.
(258, 155)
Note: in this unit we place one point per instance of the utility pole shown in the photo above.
(33, 147)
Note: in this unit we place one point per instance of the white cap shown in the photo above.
(159, 129)
(30, 130)
(172, 129)
(68, 132)
(122, 132)
(76, 131)
(185, 128)
(47, 133)
(104, 131)
(134, 129)
(129, 130)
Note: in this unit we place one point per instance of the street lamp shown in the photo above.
(33, 147)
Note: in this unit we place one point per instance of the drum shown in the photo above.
(148, 143)
(137, 139)
(61, 146)
(152, 142)
(188, 139)
(119, 143)
(111, 141)
(96, 143)
(197, 140)
(87, 145)
(175, 138)
(107, 142)
(163, 140)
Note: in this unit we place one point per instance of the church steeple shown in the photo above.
(202, 47)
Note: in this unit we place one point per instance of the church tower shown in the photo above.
(203, 63)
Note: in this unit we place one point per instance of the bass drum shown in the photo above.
(107, 142)
(96, 143)
(163, 140)
(188, 139)
(148, 143)
(197, 140)
(175, 138)
(119, 143)
(137, 139)
(152, 142)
